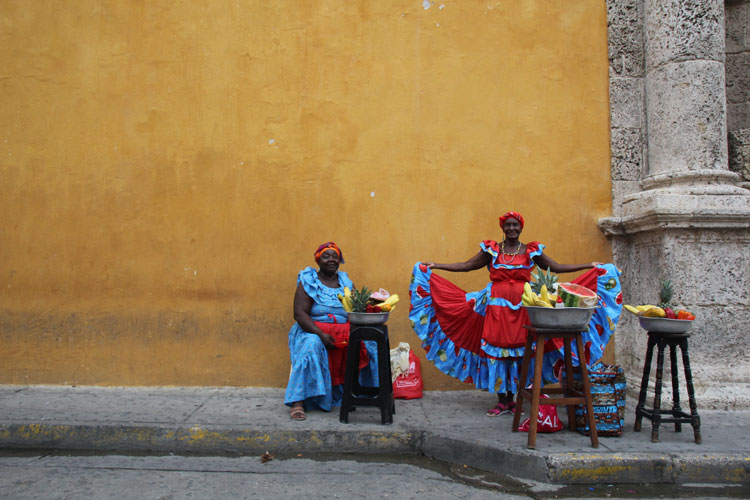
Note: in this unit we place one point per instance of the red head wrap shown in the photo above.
(508, 215)
(328, 246)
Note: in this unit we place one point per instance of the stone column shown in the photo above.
(688, 220)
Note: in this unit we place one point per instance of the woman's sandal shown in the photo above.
(297, 413)
(501, 409)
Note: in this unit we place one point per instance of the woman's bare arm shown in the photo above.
(544, 262)
(479, 261)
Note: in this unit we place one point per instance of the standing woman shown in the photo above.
(479, 337)
(317, 341)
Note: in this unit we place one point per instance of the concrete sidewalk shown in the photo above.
(449, 426)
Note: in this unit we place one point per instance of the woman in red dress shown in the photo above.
(479, 337)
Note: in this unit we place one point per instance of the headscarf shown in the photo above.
(508, 215)
(328, 246)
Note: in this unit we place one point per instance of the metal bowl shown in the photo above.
(665, 325)
(360, 318)
(563, 318)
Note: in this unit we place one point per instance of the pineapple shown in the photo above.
(360, 299)
(541, 278)
(665, 294)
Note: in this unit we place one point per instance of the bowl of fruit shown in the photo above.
(665, 325)
(663, 318)
(570, 307)
(364, 307)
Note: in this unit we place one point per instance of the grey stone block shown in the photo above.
(738, 115)
(627, 154)
(626, 102)
(682, 31)
(738, 77)
(686, 110)
(737, 20)
(739, 152)
(625, 32)
(620, 190)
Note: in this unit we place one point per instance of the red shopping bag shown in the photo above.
(546, 420)
(409, 385)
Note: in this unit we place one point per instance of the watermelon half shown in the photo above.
(573, 295)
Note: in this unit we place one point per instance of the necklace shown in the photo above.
(512, 256)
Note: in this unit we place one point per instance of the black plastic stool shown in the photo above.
(678, 417)
(356, 395)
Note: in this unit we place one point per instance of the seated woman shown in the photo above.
(318, 339)
(479, 337)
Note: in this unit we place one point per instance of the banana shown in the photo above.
(391, 301)
(347, 292)
(542, 303)
(645, 307)
(544, 294)
(527, 298)
(346, 302)
(655, 312)
(631, 309)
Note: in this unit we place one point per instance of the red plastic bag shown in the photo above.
(409, 385)
(546, 420)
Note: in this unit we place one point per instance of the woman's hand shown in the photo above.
(429, 264)
(327, 341)
(596, 264)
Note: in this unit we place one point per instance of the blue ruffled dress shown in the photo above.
(310, 377)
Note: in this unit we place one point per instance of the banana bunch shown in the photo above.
(648, 310)
(544, 299)
(388, 304)
(346, 299)
(347, 302)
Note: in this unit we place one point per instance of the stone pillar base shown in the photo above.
(699, 238)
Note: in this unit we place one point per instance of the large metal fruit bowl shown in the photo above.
(563, 318)
(362, 318)
(665, 325)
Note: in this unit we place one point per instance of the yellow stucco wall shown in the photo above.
(168, 167)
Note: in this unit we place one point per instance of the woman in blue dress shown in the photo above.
(317, 341)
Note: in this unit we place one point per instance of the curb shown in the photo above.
(558, 468)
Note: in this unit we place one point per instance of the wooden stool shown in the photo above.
(570, 398)
(678, 417)
(356, 395)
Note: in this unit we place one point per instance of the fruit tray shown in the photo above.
(365, 318)
(665, 325)
(564, 318)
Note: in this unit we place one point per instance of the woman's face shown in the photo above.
(512, 228)
(329, 261)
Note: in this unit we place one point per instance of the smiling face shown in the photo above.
(329, 261)
(512, 228)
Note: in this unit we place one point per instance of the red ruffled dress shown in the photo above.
(479, 338)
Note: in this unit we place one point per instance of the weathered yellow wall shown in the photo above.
(168, 166)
